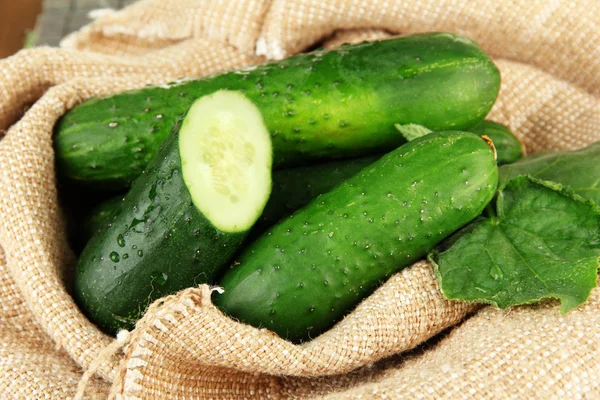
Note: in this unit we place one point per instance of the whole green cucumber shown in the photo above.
(508, 147)
(295, 187)
(184, 217)
(327, 104)
(309, 270)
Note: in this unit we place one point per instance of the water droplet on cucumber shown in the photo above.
(114, 256)
(161, 279)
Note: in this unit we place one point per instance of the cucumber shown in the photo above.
(184, 217)
(293, 188)
(100, 216)
(327, 104)
(77, 205)
(508, 147)
(316, 265)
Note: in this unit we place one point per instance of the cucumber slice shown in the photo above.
(226, 159)
(185, 216)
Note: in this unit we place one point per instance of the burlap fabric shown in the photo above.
(549, 55)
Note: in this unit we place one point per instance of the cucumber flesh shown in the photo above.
(226, 159)
(158, 240)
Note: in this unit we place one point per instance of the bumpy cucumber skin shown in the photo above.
(313, 267)
(156, 243)
(328, 104)
(508, 147)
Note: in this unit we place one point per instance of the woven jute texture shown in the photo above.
(390, 346)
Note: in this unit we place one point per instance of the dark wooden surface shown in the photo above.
(61, 17)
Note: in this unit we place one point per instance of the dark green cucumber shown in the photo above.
(508, 147)
(77, 204)
(313, 267)
(293, 188)
(328, 104)
(100, 216)
(184, 217)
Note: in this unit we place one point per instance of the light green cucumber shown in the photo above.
(328, 104)
(313, 267)
(184, 217)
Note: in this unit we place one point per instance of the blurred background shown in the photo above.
(28, 23)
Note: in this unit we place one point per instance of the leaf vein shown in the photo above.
(533, 271)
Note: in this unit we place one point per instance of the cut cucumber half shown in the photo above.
(185, 217)
(226, 159)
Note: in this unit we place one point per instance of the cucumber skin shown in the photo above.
(177, 241)
(99, 217)
(508, 147)
(293, 188)
(312, 268)
(336, 104)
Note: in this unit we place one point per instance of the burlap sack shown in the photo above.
(549, 55)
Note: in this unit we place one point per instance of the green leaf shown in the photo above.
(412, 131)
(542, 242)
(579, 170)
